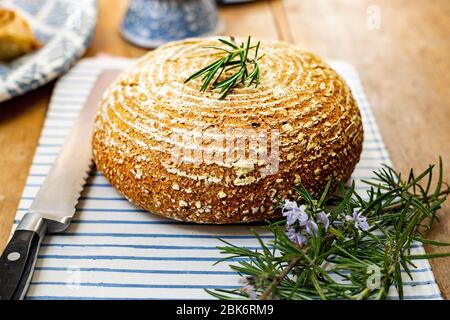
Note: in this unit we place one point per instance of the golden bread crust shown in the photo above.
(147, 111)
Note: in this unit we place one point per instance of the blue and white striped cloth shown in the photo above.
(114, 250)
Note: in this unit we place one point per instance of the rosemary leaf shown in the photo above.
(236, 57)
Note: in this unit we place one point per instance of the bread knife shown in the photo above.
(54, 205)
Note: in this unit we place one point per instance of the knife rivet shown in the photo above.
(13, 256)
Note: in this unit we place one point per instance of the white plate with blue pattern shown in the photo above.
(65, 27)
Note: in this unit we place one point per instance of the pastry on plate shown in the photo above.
(16, 36)
(186, 154)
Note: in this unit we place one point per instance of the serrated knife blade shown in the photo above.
(55, 203)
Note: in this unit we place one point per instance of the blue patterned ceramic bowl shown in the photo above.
(151, 23)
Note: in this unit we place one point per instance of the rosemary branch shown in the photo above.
(267, 293)
(234, 68)
(364, 242)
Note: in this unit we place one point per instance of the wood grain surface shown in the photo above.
(401, 49)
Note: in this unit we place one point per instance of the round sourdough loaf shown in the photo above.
(187, 155)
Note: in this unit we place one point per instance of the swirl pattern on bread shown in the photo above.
(166, 146)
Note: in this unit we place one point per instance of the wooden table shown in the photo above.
(401, 49)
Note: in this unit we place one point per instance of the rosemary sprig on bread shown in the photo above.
(346, 247)
(238, 65)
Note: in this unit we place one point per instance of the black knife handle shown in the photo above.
(17, 264)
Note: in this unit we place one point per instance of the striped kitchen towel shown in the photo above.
(114, 250)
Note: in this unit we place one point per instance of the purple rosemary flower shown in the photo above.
(311, 227)
(294, 213)
(360, 221)
(322, 218)
(296, 237)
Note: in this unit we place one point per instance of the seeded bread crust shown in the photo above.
(144, 113)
